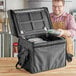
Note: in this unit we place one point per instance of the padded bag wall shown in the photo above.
(43, 56)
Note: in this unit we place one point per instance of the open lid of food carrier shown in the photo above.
(29, 21)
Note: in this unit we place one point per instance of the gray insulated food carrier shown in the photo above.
(37, 50)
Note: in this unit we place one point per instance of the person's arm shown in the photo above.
(71, 28)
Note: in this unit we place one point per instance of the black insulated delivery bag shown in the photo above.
(37, 50)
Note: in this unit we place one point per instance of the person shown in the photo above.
(65, 23)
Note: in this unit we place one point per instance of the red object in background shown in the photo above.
(15, 49)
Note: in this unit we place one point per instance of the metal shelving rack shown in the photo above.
(5, 37)
(3, 14)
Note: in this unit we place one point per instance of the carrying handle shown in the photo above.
(18, 66)
(22, 57)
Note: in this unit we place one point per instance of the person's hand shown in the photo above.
(61, 32)
(64, 33)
